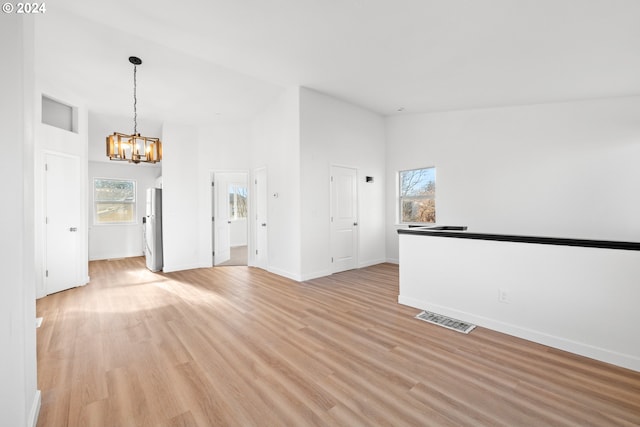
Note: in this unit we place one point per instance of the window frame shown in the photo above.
(400, 198)
(134, 203)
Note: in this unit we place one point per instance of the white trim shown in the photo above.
(35, 409)
(253, 228)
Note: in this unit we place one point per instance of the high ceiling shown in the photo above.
(227, 59)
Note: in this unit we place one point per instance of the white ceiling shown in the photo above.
(226, 59)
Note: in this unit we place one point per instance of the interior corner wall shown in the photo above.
(275, 144)
(560, 170)
(179, 197)
(108, 241)
(19, 397)
(186, 186)
(334, 132)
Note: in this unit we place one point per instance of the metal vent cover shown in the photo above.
(446, 322)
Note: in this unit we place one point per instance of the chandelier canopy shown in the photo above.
(134, 148)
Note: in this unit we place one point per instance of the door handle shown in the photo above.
(264, 224)
(228, 222)
(73, 229)
(355, 223)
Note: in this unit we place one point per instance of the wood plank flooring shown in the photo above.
(237, 346)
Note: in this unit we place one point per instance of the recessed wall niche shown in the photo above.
(60, 115)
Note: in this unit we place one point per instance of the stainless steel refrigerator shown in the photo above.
(152, 224)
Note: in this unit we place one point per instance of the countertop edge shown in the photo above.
(559, 241)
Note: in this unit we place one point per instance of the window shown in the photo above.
(418, 195)
(60, 115)
(237, 201)
(114, 201)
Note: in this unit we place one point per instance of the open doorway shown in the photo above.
(229, 207)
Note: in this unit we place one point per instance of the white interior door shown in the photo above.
(260, 184)
(62, 222)
(221, 221)
(344, 218)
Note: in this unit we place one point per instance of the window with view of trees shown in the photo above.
(114, 201)
(418, 195)
(237, 201)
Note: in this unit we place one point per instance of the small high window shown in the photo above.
(114, 201)
(417, 195)
(60, 115)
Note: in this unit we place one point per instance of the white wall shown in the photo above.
(582, 300)
(560, 170)
(119, 240)
(179, 197)
(334, 132)
(19, 398)
(275, 143)
(238, 232)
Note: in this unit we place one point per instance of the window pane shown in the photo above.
(115, 212)
(114, 190)
(237, 201)
(418, 182)
(419, 210)
(114, 201)
(241, 202)
(417, 195)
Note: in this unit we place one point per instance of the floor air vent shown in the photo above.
(446, 322)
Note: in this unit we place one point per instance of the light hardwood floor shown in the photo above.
(238, 346)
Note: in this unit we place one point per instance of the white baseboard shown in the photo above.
(283, 273)
(35, 409)
(624, 360)
(172, 268)
(315, 275)
(393, 260)
(364, 264)
(100, 257)
(324, 273)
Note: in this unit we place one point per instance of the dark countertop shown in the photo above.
(459, 232)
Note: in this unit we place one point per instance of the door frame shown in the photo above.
(212, 178)
(357, 215)
(254, 226)
(81, 266)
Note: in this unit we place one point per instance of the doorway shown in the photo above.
(344, 218)
(229, 208)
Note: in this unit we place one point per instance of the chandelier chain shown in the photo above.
(135, 102)
(134, 148)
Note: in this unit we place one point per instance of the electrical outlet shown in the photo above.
(503, 296)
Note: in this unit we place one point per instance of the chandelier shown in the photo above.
(134, 148)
